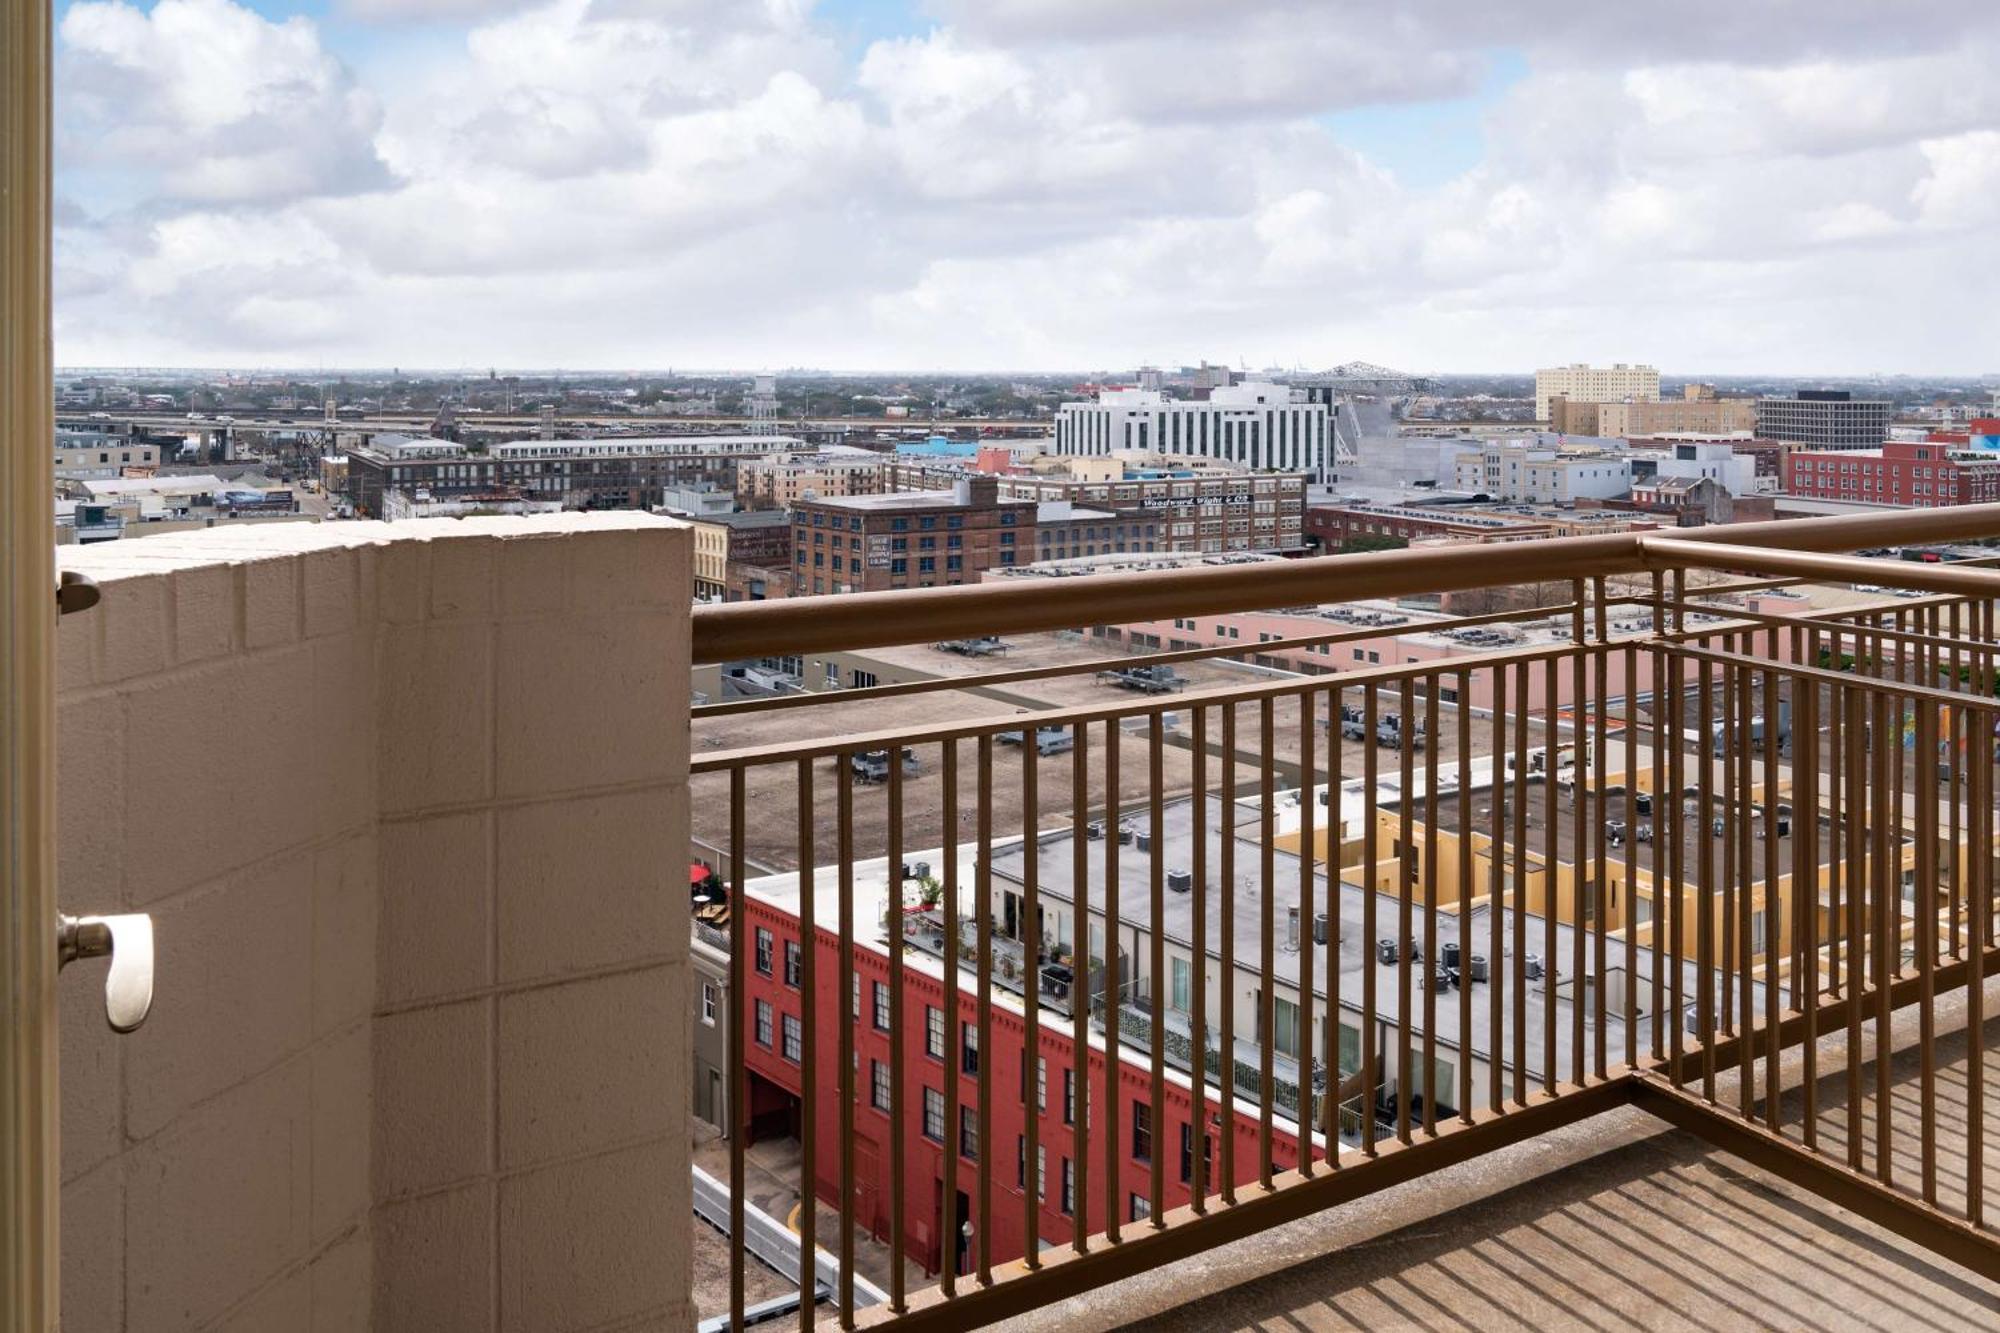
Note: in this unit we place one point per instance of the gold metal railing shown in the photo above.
(1704, 869)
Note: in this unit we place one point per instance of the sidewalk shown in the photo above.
(770, 1182)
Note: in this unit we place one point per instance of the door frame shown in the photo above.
(30, 1268)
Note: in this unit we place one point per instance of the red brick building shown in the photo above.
(1930, 475)
(774, 1049)
(1330, 527)
(908, 539)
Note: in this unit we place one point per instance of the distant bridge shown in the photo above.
(1362, 377)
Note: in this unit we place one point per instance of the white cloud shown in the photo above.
(1706, 184)
(212, 100)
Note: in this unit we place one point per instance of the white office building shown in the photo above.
(1258, 425)
(1535, 474)
(1714, 460)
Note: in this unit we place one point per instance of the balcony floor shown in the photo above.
(1661, 1231)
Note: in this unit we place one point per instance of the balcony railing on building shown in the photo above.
(1644, 843)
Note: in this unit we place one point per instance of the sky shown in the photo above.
(1713, 186)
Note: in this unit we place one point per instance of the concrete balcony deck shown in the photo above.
(1610, 1224)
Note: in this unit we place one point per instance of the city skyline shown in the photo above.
(1793, 190)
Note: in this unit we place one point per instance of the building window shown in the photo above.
(878, 1085)
(1068, 1187)
(794, 963)
(934, 1032)
(1041, 1084)
(854, 996)
(763, 951)
(968, 1049)
(881, 1007)
(794, 1036)
(968, 1134)
(1187, 1157)
(710, 999)
(934, 1115)
(1069, 1096)
(764, 1024)
(1140, 1209)
(1142, 1132)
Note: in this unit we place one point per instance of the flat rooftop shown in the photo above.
(896, 501)
(1175, 851)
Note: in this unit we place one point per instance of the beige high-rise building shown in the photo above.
(1596, 384)
(1673, 416)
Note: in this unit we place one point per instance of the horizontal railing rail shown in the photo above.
(736, 631)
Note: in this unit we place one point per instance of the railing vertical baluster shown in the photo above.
(808, 1054)
(1926, 937)
(1734, 802)
(1034, 1077)
(1496, 1043)
(949, 1052)
(1303, 1043)
(1630, 664)
(1551, 859)
(1226, 1042)
(1113, 1131)
(1585, 893)
(1198, 1181)
(1979, 890)
(1704, 882)
(1955, 746)
(1335, 1075)
(1463, 826)
(1600, 900)
(1672, 814)
(1836, 873)
(982, 926)
(1404, 885)
(1433, 962)
(1517, 980)
(1775, 914)
(1371, 1040)
(1805, 877)
(739, 1023)
(1886, 839)
(1861, 743)
(898, 1119)
(1156, 745)
(1267, 892)
(849, 1180)
(1746, 863)
(1076, 1102)
(1664, 801)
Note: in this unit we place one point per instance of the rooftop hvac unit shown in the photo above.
(1180, 881)
(1476, 969)
(1450, 954)
(1124, 835)
(1319, 928)
(1385, 952)
(1292, 929)
(1094, 830)
(1143, 841)
(1531, 967)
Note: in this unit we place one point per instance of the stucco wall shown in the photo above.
(401, 800)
